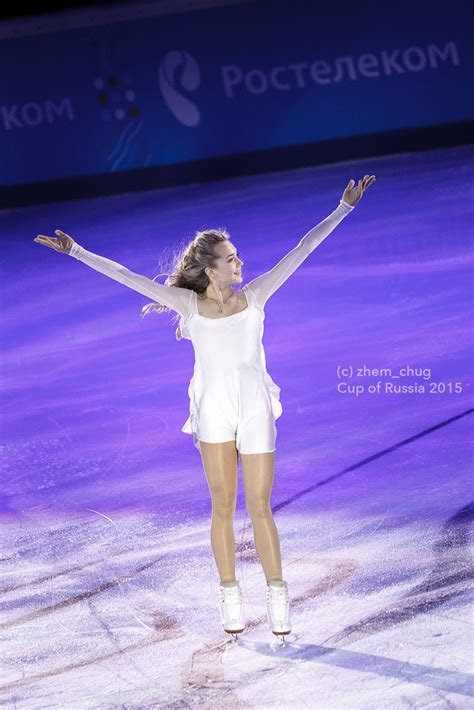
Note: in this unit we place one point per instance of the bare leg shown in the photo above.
(258, 471)
(220, 467)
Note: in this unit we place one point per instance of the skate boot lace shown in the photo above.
(231, 594)
(279, 603)
(279, 594)
(231, 602)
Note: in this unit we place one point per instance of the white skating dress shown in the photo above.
(232, 396)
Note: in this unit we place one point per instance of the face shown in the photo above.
(228, 264)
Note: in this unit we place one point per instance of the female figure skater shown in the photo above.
(233, 400)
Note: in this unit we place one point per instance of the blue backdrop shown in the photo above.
(226, 80)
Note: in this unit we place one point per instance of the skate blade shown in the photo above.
(235, 636)
(282, 641)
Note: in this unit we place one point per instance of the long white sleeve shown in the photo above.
(178, 299)
(266, 284)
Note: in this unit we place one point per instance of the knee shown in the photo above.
(223, 507)
(258, 510)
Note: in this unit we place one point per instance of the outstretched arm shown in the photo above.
(266, 284)
(178, 299)
(172, 296)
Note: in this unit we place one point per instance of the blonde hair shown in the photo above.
(189, 264)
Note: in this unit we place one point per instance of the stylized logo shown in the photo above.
(180, 71)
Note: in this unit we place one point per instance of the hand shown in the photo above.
(62, 244)
(179, 335)
(353, 194)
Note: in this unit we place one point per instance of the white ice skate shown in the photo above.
(278, 609)
(231, 608)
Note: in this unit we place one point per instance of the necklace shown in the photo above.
(219, 303)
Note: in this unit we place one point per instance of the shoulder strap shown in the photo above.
(252, 301)
(193, 301)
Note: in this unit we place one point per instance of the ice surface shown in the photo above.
(109, 587)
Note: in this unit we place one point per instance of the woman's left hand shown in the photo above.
(353, 194)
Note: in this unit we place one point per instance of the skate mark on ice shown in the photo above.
(169, 629)
(449, 578)
(369, 459)
(77, 598)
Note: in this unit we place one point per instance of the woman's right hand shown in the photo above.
(62, 244)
